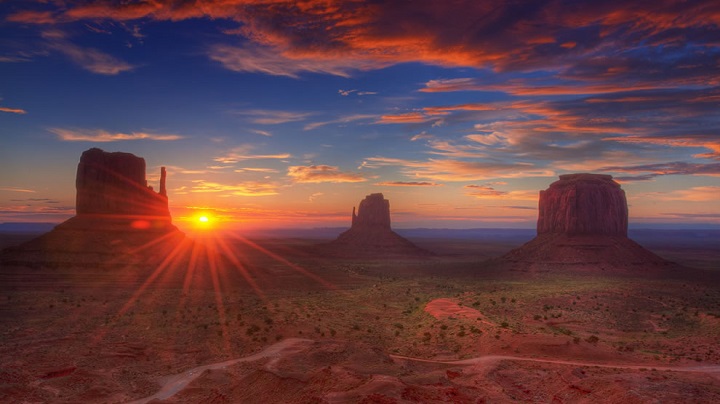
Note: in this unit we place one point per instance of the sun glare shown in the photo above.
(203, 219)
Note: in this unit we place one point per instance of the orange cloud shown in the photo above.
(695, 194)
(408, 184)
(102, 136)
(410, 117)
(249, 188)
(457, 170)
(321, 173)
(13, 110)
(243, 153)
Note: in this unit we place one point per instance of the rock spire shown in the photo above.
(370, 234)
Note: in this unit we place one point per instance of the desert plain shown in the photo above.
(269, 318)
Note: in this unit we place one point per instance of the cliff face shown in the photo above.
(582, 223)
(374, 212)
(583, 204)
(115, 184)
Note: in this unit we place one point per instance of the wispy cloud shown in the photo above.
(244, 152)
(102, 136)
(248, 188)
(341, 120)
(322, 173)
(89, 59)
(274, 61)
(255, 170)
(694, 194)
(649, 171)
(458, 170)
(15, 189)
(261, 132)
(408, 184)
(272, 117)
(13, 110)
(487, 191)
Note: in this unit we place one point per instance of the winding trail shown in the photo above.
(495, 358)
(175, 384)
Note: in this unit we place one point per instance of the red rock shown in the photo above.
(374, 212)
(582, 223)
(583, 204)
(115, 184)
(370, 233)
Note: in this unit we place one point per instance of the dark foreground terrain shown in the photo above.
(267, 320)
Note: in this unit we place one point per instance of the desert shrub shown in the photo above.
(593, 339)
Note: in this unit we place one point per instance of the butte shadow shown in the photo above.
(370, 235)
(119, 219)
(582, 225)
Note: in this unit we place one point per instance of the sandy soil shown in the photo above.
(271, 324)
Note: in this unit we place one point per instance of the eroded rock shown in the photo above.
(583, 204)
(370, 234)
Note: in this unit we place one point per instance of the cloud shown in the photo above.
(408, 184)
(410, 117)
(315, 196)
(102, 136)
(89, 59)
(261, 132)
(346, 93)
(248, 188)
(452, 170)
(694, 194)
(243, 152)
(268, 60)
(15, 189)
(13, 110)
(585, 41)
(649, 171)
(343, 119)
(321, 173)
(488, 192)
(272, 117)
(709, 142)
(255, 170)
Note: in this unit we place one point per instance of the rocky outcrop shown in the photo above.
(120, 219)
(583, 204)
(115, 184)
(582, 222)
(370, 234)
(373, 213)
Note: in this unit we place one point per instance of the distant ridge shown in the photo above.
(26, 227)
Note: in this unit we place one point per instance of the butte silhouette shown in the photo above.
(583, 221)
(119, 218)
(370, 234)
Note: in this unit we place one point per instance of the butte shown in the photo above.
(582, 224)
(370, 234)
(119, 219)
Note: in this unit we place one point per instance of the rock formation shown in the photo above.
(373, 213)
(582, 221)
(118, 216)
(583, 204)
(370, 234)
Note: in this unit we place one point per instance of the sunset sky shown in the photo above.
(286, 114)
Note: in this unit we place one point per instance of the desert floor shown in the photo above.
(268, 320)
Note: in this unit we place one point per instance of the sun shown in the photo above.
(203, 221)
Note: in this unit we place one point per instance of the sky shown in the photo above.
(281, 113)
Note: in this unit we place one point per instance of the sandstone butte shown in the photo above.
(583, 221)
(370, 234)
(117, 215)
